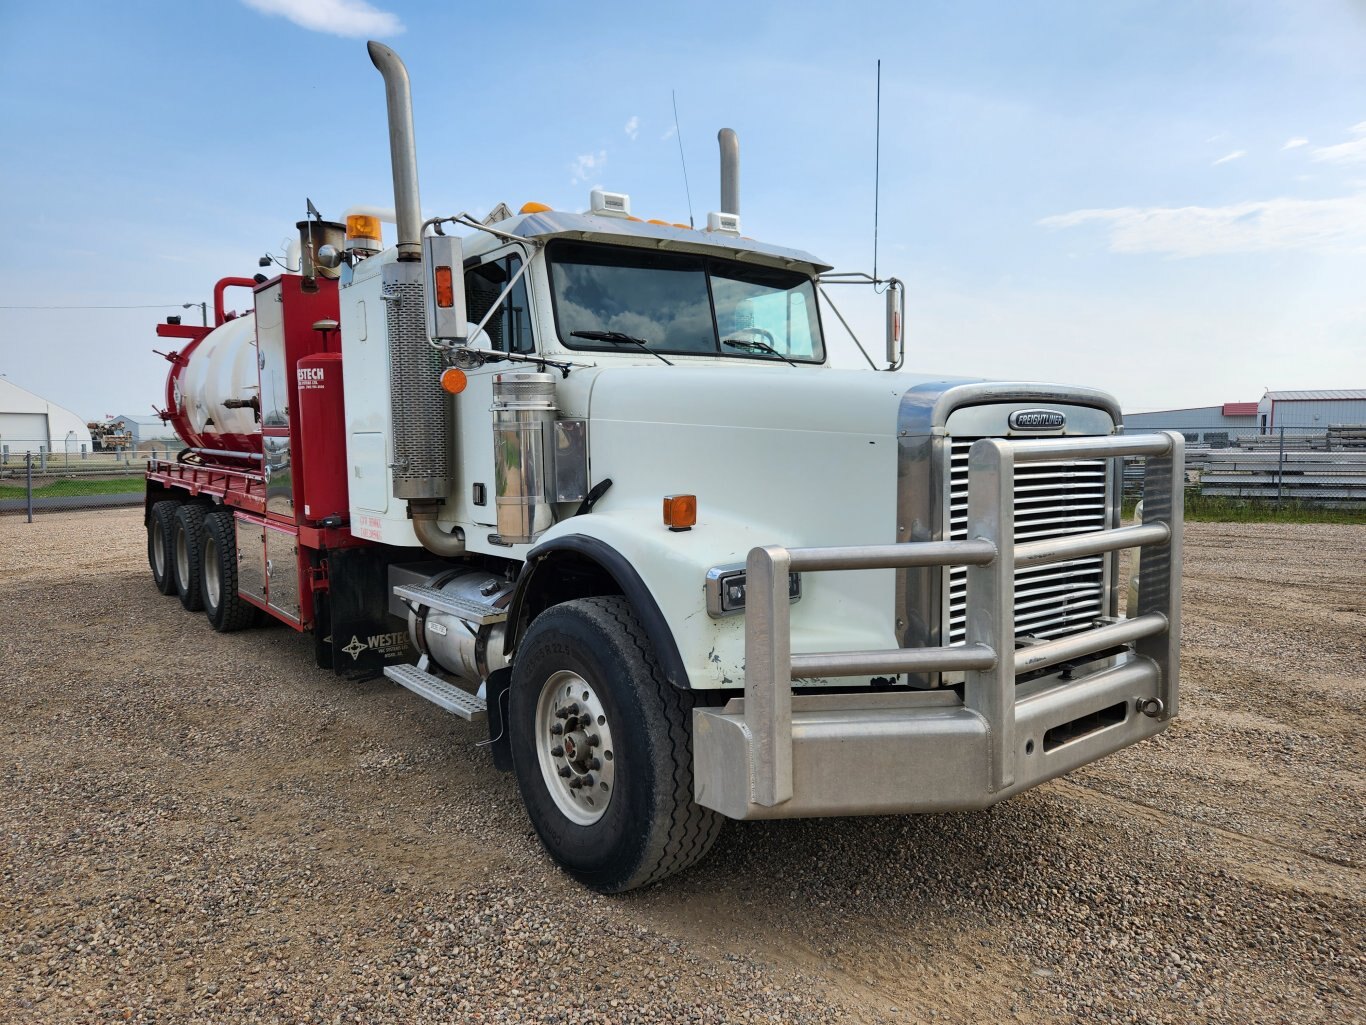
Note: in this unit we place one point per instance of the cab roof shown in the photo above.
(551, 224)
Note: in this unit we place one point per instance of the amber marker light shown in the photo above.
(680, 511)
(533, 208)
(453, 380)
(445, 287)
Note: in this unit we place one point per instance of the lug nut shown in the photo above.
(593, 740)
(556, 728)
(561, 713)
(588, 780)
(564, 771)
(557, 751)
(596, 763)
(572, 708)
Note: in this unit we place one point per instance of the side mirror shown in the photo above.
(443, 266)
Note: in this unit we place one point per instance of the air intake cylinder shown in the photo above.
(523, 415)
(420, 410)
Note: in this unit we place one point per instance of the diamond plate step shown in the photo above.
(438, 691)
(474, 612)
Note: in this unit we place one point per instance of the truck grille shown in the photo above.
(1052, 499)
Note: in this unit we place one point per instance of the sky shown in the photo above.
(1163, 200)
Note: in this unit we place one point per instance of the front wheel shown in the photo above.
(602, 747)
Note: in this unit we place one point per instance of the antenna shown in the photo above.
(678, 133)
(877, 164)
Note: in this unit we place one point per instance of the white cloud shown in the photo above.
(1353, 152)
(1295, 143)
(1237, 154)
(586, 165)
(670, 133)
(338, 17)
(633, 127)
(1255, 227)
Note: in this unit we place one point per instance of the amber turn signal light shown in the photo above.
(445, 288)
(680, 511)
(453, 380)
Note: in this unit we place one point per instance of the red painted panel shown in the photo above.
(322, 436)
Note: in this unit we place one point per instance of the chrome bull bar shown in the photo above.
(983, 725)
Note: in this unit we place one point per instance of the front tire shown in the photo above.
(602, 748)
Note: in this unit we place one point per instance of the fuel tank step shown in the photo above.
(438, 691)
(478, 613)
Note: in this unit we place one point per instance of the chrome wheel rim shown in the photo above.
(158, 549)
(574, 747)
(182, 558)
(213, 582)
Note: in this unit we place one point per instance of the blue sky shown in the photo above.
(1166, 200)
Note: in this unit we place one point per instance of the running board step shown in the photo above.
(474, 612)
(438, 691)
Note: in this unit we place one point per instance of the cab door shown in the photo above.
(509, 329)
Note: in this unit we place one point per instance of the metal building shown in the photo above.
(1315, 410)
(1202, 425)
(31, 422)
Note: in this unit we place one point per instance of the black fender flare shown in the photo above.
(626, 578)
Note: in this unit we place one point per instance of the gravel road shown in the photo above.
(197, 827)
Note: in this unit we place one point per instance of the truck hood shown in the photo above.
(759, 398)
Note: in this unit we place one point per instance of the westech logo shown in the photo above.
(1036, 420)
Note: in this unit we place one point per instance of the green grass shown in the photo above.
(75, 488)
(1200, 509)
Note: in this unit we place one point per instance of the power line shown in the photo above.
(150, 306)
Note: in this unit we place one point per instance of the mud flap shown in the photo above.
(362, 636)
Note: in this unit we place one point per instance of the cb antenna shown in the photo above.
(877, 163)
(678, 134)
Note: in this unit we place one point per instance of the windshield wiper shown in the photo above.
(748, 345)
(619, 339)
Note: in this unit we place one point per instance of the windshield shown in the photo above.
(681, 303)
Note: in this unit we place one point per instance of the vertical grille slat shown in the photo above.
(1052, 499)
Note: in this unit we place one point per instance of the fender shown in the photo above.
(626, 578)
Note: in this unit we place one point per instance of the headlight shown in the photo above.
(726, 590)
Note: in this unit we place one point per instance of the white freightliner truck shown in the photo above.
(591, 478)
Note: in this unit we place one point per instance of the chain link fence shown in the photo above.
(1248, 466)
(1278, 467)
(35, 477)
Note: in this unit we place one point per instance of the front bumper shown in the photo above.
(923, 751)
(776, 754)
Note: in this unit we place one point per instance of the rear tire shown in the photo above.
(610, 794)
(225, 608)
(188, 544)
(161, 545)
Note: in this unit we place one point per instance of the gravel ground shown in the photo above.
(205, 828)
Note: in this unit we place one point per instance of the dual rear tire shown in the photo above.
(192, 552)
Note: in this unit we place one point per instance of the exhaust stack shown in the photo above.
(730, 170)
(398, 96)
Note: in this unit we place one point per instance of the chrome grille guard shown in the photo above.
(987, 712)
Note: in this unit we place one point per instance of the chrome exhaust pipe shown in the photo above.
(730, 171)
(398, 95)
